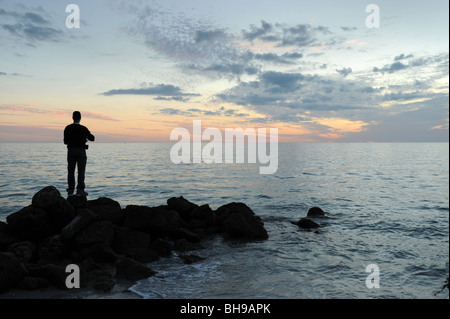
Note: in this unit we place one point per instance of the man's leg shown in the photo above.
(81, 161)
(71, 163)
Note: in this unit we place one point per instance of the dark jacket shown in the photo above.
(76, 135)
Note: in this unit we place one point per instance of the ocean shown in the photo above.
(388, 207)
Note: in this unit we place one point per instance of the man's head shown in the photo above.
(76, 116)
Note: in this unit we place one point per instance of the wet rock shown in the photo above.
(315, 212)
(182, 233)
(143, 255)
(307, 223)
(162, 247)
(130, 269)
(182, 245)
(239, 221)
(102, 254)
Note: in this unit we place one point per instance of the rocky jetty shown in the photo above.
(107, 242)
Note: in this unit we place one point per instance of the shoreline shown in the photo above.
(121, 290)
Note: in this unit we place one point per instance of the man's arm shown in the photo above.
(89, 136)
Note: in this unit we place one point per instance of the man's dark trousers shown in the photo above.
(76, 157)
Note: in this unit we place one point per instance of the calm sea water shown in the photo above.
(388, 205)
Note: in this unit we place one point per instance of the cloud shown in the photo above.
(30, 26)
(344, 71)
(163, 91)
(210, 36)
(439, 60)
(256, 32)
(349, 28)
(222, 111)
(391, 68)
(402, 57)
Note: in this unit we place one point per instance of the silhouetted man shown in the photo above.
(76, 136)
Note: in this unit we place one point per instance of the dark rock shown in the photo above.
(130, 269)
(315, 212)
(11, 272)
(190, 259)
(190, 236)
(85, 217)
(59, 211)
(32, 283)
(239, 221)
(78, 201)
(162, 247)
(158, 221)
(127, 239)
(104, 201)
(100, 232)
(142, 254)
(30, 223)
(182, 245)
(103, 278)
(104, 283)
(23, 250)
(205, 214)
(197, 224)
(307, 223)
(6, 238)
(55, 274)
(182, 206)
(112, 213)
(102, 254)
(53, 250)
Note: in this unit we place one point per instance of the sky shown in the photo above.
(137, 70)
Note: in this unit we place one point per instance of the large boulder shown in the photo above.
(11, 272)
(157, 221)
(182, 206)
(239, 221)
(30, 223)
(59, 211)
